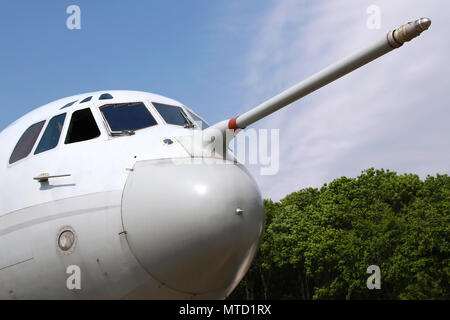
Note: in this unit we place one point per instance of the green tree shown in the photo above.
(318, 244)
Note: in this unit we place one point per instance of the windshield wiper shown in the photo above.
(189, 123)
(123, 133)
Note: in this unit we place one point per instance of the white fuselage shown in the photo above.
(145, 225)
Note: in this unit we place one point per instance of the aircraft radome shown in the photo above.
(110, 195)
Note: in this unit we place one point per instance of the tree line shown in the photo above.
(318, 243)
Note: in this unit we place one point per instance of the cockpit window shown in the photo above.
(199, 121)
(127, 117)
(69, 104)
(173, 115)
(26, 142)
(82, 127)
(86, 99)
(51, 135)
(105, 96)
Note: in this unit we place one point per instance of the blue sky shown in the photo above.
(186, 50)
(223, 57)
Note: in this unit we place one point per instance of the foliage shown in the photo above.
(318, 244)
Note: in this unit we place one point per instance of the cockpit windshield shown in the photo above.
(127, 117)
(173, 115)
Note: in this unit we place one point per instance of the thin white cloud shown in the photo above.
(392, 113)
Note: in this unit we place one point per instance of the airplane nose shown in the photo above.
(194, 227)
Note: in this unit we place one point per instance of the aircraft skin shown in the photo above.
(145, 225)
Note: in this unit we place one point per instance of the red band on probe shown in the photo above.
(232, 124)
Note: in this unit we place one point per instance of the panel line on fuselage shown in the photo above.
(15, 264)
(52, 217)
